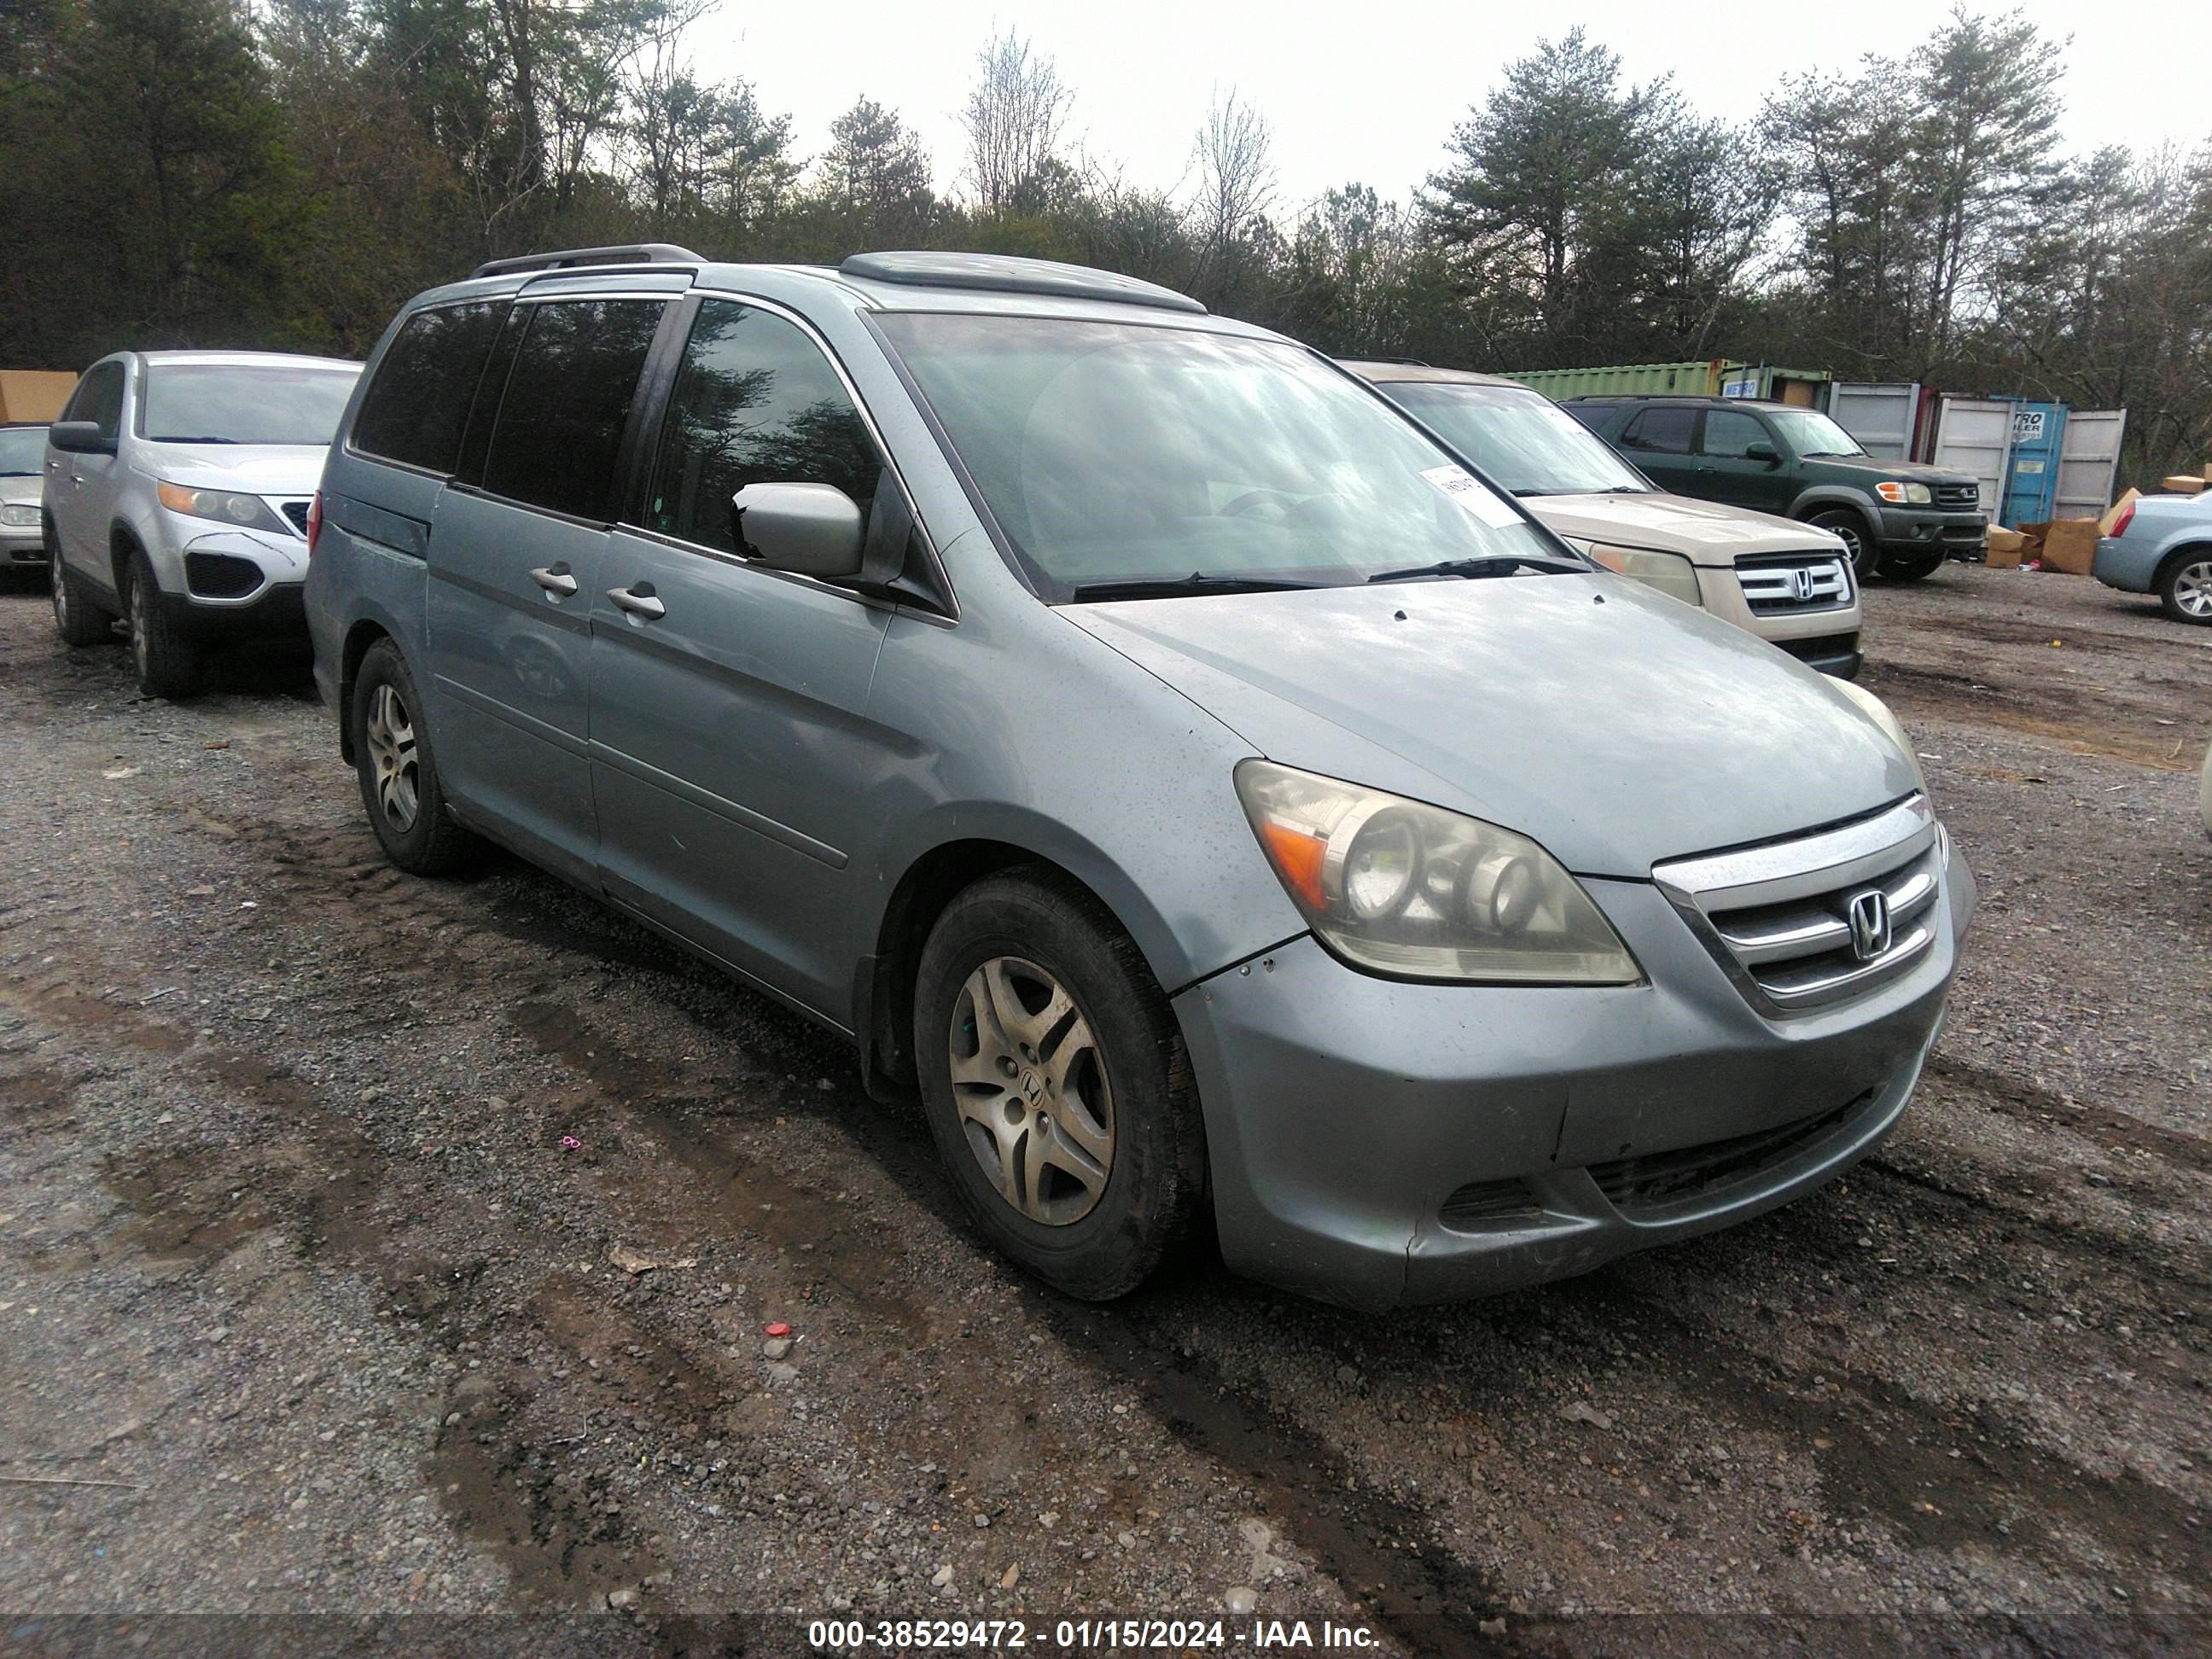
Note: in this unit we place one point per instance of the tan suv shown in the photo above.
(1787, 582)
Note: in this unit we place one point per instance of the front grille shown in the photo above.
(1807, 923)
(1788, 584)
(220, 576)
(1659, 1181)
(1958, 496)
(1481, 1204)
(297, 512)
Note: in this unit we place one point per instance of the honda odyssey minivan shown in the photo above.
(1146, 745)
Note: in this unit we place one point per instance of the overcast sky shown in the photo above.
(1370, 90)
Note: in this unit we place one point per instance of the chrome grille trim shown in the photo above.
(1772, 587)
(1775, 917)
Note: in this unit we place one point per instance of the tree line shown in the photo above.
(284, 172)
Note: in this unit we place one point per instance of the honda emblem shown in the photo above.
(1870, 931)
(1803, 576)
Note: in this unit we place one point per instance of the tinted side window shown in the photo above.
(567, 398)
(99, 399)
(1593, 415)
(416, 405)
(1729, 433)
(755, 402)
(1665, 430)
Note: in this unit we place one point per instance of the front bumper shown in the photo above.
(1376, 1143)
(22, 545)
(1964, 534)
(2131, 567)
(273, 616)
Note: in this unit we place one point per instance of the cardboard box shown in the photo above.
(2106, 525)
(2070, 545)
(33, 394)
(2004, 550)
(2182, 484)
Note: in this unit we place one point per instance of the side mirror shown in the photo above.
(1767, 453)
(811, 528)
(80, 438)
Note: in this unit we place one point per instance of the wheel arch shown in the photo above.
(2173, 558)
(1823, 498)
(884, 984)
(359, 639)
(123, 543)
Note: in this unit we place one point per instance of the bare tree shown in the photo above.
(1236, 186)
(1014, 118)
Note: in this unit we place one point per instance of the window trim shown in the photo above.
(121, 364)
(661, 375)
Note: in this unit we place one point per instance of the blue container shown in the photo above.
(2031, 492)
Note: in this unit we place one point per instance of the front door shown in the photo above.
(729, 736)
(515, 561)
(1727, 472)
(83, 489)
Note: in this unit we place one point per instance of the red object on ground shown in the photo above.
(779, 1328)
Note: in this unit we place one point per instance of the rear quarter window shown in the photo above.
(418, 405)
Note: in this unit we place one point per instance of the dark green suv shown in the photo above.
(1899, 519)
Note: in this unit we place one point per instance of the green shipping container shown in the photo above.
(1713, 378)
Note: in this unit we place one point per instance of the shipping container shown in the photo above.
(1716, 377)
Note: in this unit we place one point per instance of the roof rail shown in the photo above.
(632, 254)
(1011, 274)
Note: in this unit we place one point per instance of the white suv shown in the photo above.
(177, 491)
(1787, 582)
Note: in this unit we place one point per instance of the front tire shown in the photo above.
(168, 664)
(1853, 531)
(399, 785)
(1056, 1083)
(79, 619)
(2185, 586)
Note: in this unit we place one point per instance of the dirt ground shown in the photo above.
(309, 1305)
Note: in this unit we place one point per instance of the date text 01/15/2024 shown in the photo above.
(1081, 1635)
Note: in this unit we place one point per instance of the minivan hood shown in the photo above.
(1615, 726)
(1706, 532)
(255, 468)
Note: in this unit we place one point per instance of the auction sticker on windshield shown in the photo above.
(1471, 493)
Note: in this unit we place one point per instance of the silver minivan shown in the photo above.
(1147, 745)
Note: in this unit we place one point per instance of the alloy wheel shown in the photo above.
(1030, 1088)
(389, 735)
(59, 586)
(2193, 589)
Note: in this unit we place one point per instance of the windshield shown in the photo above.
(1116, 452)
(23, 450)
(1811, 433)
(1521, 439)
(238, 403)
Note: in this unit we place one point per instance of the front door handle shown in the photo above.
(555, 578)
(639, 601)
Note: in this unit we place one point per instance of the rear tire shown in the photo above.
(1911, 567)
(169, 663)
(399, 785)
(1855, 534)
(2185, 586)
(1056, 1085)
(79, 619)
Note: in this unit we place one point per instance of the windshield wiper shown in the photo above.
(209, 439)
(1494, 564)
(1167, 588)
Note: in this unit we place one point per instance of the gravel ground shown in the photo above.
(306, 1293)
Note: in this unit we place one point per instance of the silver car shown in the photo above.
(22, 452)
(1146, 745)
(2162, 544)
(177, 487)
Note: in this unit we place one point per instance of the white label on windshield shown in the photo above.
(1476, 496)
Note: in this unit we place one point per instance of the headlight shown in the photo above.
(1413, 891)
(1878, 711)
(1918, 495)
(223, 506)
(1670, 573)
(20, 516)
